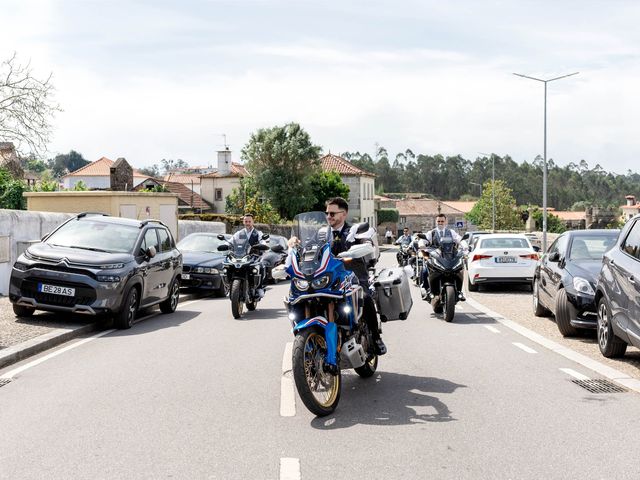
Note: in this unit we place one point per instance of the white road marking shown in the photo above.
(574, 374)
(598, 367)
(16, 371)
(524, 347)
(471, 315)
(492, 329)
(11, 373)
(290, 469)
(287, 392)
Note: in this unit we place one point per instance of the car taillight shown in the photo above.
(531, 256)
(480, 257)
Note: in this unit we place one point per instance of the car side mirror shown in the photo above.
(221, 236)
(265, 236)
(554, 257)
(224, 247)
(363, 227)
(151, 252)
(277, 248)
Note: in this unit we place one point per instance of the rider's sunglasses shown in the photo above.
(333, 214)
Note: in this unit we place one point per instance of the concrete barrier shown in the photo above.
(21, 228)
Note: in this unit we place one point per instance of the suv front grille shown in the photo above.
(84, 295)
(56, 268)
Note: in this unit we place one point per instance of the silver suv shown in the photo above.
(97, 264)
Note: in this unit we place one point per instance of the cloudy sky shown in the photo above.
(154, 79)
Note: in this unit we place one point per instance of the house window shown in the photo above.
(218, 195)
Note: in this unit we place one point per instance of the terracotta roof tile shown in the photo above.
(334, 163)
(99, 168)
(236, 170)
(569, 216)
(185, 178)
(464, 207)
(424, 207)
(185, 194)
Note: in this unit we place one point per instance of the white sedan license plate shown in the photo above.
(186, 276)
(506, 260)
(66, 291)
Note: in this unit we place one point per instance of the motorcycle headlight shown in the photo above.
(300, 284)
(583, 286)
(458, 264)
(320, 283)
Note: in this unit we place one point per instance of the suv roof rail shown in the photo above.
(149, 220)
(84, 214)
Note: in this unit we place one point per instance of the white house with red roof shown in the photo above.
(361, 187)
(215, 187)
(97, 175)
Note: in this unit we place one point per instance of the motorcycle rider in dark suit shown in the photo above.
(255, 237)
(337, 210)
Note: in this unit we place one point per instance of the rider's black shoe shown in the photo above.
(461, 297)
(379, 348)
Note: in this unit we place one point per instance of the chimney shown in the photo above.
(224, 161)
(631, 200)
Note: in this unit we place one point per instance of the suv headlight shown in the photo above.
(20, 266)
(300, 284)
(583, 286)
(108, 278)
(320, 283)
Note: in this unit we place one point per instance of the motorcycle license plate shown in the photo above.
(56, 290)
(506, 260)
(186, 276)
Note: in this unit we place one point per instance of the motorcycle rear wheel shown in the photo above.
(236, 303)
(449, 303)
(319, 390)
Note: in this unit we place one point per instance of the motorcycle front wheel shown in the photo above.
(319, 390)
(236, 303)
(449, 303)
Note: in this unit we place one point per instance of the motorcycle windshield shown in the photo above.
(312, 229)
(240, 244)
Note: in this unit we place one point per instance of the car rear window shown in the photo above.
(504, 243)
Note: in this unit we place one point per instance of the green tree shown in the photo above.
(169, 165)
(554, 224)
(326, 185)
(152, 171)
(68, 162)
(11, 191)
(247, 199)
(281, 161)
(507, 216)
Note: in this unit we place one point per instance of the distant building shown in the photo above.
(188, 200)
(630, 209)
(215, 187)
(420, 214)
(361, 187)
(97, 176)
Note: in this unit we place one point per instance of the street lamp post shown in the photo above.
(544, 170)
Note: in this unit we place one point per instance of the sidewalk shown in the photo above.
(23, 337)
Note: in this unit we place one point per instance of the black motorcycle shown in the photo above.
(243, 271)
(446, 274)
(404, 254)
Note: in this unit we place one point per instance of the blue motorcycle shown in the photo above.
(325, 305)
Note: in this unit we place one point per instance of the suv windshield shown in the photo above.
(94, 235)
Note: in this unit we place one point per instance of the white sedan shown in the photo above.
(501, 258)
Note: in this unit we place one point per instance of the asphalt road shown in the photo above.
(197, 394)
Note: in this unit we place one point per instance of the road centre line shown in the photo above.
(598, 367)
(524, 347)
(492, 329)
(287, 391)
(574, 374)
(290, 469)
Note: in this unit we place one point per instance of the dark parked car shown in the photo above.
(565, 278)
(618, 293)
(202, 263)
(276, 255)
(97, 264)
